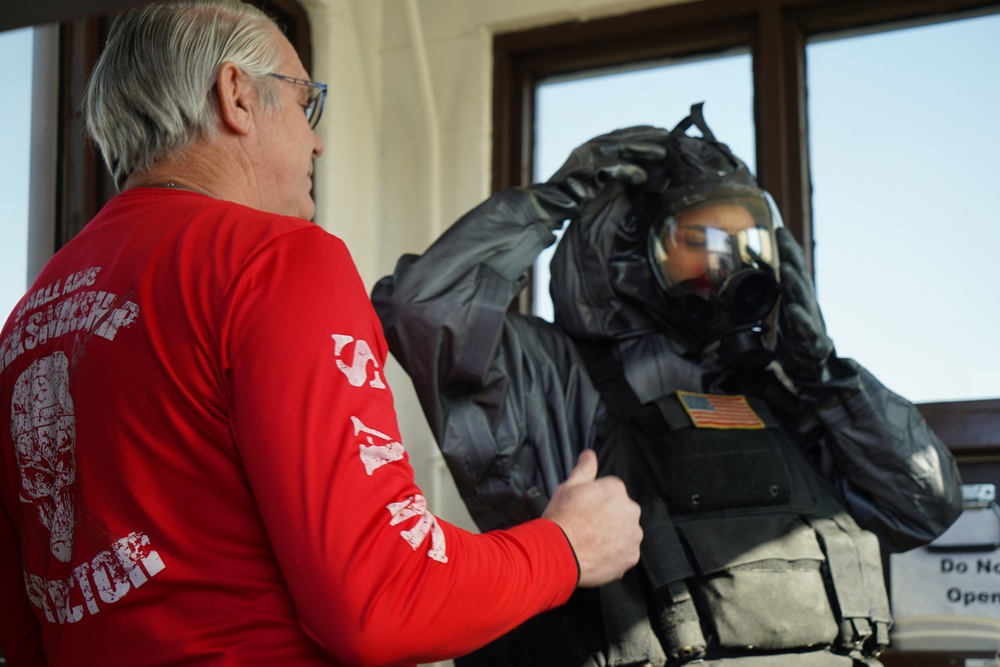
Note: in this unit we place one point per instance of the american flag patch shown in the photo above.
(713, 411)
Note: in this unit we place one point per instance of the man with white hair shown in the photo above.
(201, 463)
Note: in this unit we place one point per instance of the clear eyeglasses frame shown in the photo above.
(317, 96)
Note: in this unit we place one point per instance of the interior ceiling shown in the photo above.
(23, 13)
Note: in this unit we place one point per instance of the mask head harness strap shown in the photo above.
(696, 118)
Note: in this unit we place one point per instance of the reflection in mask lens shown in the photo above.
(710, 256)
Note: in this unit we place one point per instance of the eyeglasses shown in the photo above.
(317, 97)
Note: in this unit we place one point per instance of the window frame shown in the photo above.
(776, 32)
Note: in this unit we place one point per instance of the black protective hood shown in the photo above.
(602, 282)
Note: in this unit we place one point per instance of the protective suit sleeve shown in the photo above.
(897, 477)
(506, 402)
(505, 395)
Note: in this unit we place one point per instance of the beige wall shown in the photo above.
(407, 131)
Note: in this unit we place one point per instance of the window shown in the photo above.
(15, 136)
(788, 44)
(903, 143)
(891, 116)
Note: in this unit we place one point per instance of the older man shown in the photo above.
(201, 463)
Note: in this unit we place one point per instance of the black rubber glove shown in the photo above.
(613, 156)
(804, 349)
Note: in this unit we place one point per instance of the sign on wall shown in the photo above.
(946, 596)
(959, 573)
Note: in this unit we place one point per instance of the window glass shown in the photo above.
(15, 124)
(904, 143)
(571, 110)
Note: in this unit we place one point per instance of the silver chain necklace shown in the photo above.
(171, 185)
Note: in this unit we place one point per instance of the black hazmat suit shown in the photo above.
(761, 542)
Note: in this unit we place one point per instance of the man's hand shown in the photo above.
(600, 520)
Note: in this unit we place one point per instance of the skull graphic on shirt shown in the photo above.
(43, 426)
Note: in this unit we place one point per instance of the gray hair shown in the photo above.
(150, 92)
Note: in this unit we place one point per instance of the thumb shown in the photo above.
(585, 470)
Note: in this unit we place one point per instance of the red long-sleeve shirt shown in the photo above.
(201, 463)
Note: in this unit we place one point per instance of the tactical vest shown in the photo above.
(748, 557)
(747, 551)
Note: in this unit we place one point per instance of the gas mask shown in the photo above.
(715, 257)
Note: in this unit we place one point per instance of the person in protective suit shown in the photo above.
(688, 350)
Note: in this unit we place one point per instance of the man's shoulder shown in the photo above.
(242, 224)
(191, 220)
(184, 206)
(247, 216)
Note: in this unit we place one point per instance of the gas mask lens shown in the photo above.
(719, 248)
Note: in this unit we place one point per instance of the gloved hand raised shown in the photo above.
(804, 349)
(617, 155)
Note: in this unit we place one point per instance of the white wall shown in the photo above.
(407, 134)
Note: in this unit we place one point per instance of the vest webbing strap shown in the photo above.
(671, 615)
(623, 609)
(674, 616)
(607, 374)
(855, 568)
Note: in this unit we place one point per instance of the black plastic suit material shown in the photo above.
(533, 392)
(526, 363)
(510, 401)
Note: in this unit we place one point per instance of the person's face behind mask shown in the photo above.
(716, 260)
(697, 244)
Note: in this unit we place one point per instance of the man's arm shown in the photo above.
(377, 578)
(898, 479)
(509, 409)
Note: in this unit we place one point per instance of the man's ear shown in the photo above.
(238, 99)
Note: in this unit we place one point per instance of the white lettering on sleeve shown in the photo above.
(357, 371)
(416, 506)
(375, 456)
